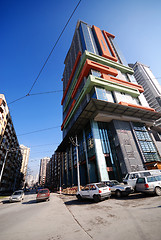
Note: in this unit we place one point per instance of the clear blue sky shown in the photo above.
(28, 32)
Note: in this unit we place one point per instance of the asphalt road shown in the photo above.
(63, 217)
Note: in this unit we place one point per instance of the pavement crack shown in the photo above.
(77, 221)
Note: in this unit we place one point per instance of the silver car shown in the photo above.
(95, 191)
(151, 184)
(119, 189)
(17, 196)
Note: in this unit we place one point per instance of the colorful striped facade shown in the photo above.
(104, 107)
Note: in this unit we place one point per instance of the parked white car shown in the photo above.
(17, 196)
(95, 191)
(132, 177)
(151, 184)
(119, 189)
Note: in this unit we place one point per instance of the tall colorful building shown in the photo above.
(105, 114)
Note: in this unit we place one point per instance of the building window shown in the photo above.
(87, 39)
(95, 73)
(81, 149)
(89, 142)
(101, 94)
(148, 148)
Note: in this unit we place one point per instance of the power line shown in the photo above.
(54, 91)
(54, 46)
(43, 152)
(48, 144)
(28, 94)
(18, 99)
(40, 130)
(49, 92)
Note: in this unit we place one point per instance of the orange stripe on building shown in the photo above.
(103, 44)
(70, 109)
(95, 66)
(122, 82)
(137, 106)
(106, 35)
(71, 76)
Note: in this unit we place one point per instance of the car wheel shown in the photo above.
(158, 191)
(118, 194)
(96, 198)
(79, 197)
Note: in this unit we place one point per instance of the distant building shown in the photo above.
(25, 151)
(106, 118)
(32, 180)
(152, 88)
(43, 167)
(53, 179)
(10, 154)
(152, 94)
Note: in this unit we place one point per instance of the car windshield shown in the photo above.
(158, 178)
(17, 193)
(145, 174)
(114, 183)
(154, 178)
(43, 191)
(100, 185)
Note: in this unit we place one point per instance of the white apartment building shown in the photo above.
(152, 88)
(43, 165)
(25, 158)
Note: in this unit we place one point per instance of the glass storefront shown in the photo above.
(148, 148)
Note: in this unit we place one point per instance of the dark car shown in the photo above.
(43, 195)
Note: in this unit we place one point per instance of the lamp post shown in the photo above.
(4, 164)
(78, 174)
(76, 145)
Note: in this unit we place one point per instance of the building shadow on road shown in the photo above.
(135, 196)
(6, 202)
(82, 202)
(30, 202)
(33, 202)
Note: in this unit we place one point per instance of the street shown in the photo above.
(63, 217)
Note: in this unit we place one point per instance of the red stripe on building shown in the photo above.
(96, 66)
(122, 82)
(103, 44)
(137, 106)
(70, 109)
(71, 76)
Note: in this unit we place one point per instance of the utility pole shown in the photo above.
(60, 159)
(78, 173)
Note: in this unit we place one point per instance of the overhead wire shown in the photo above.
(40, 130)
(54, 91)
(28, 94)
(42, 145)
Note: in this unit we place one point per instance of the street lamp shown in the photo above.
(78, 173)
